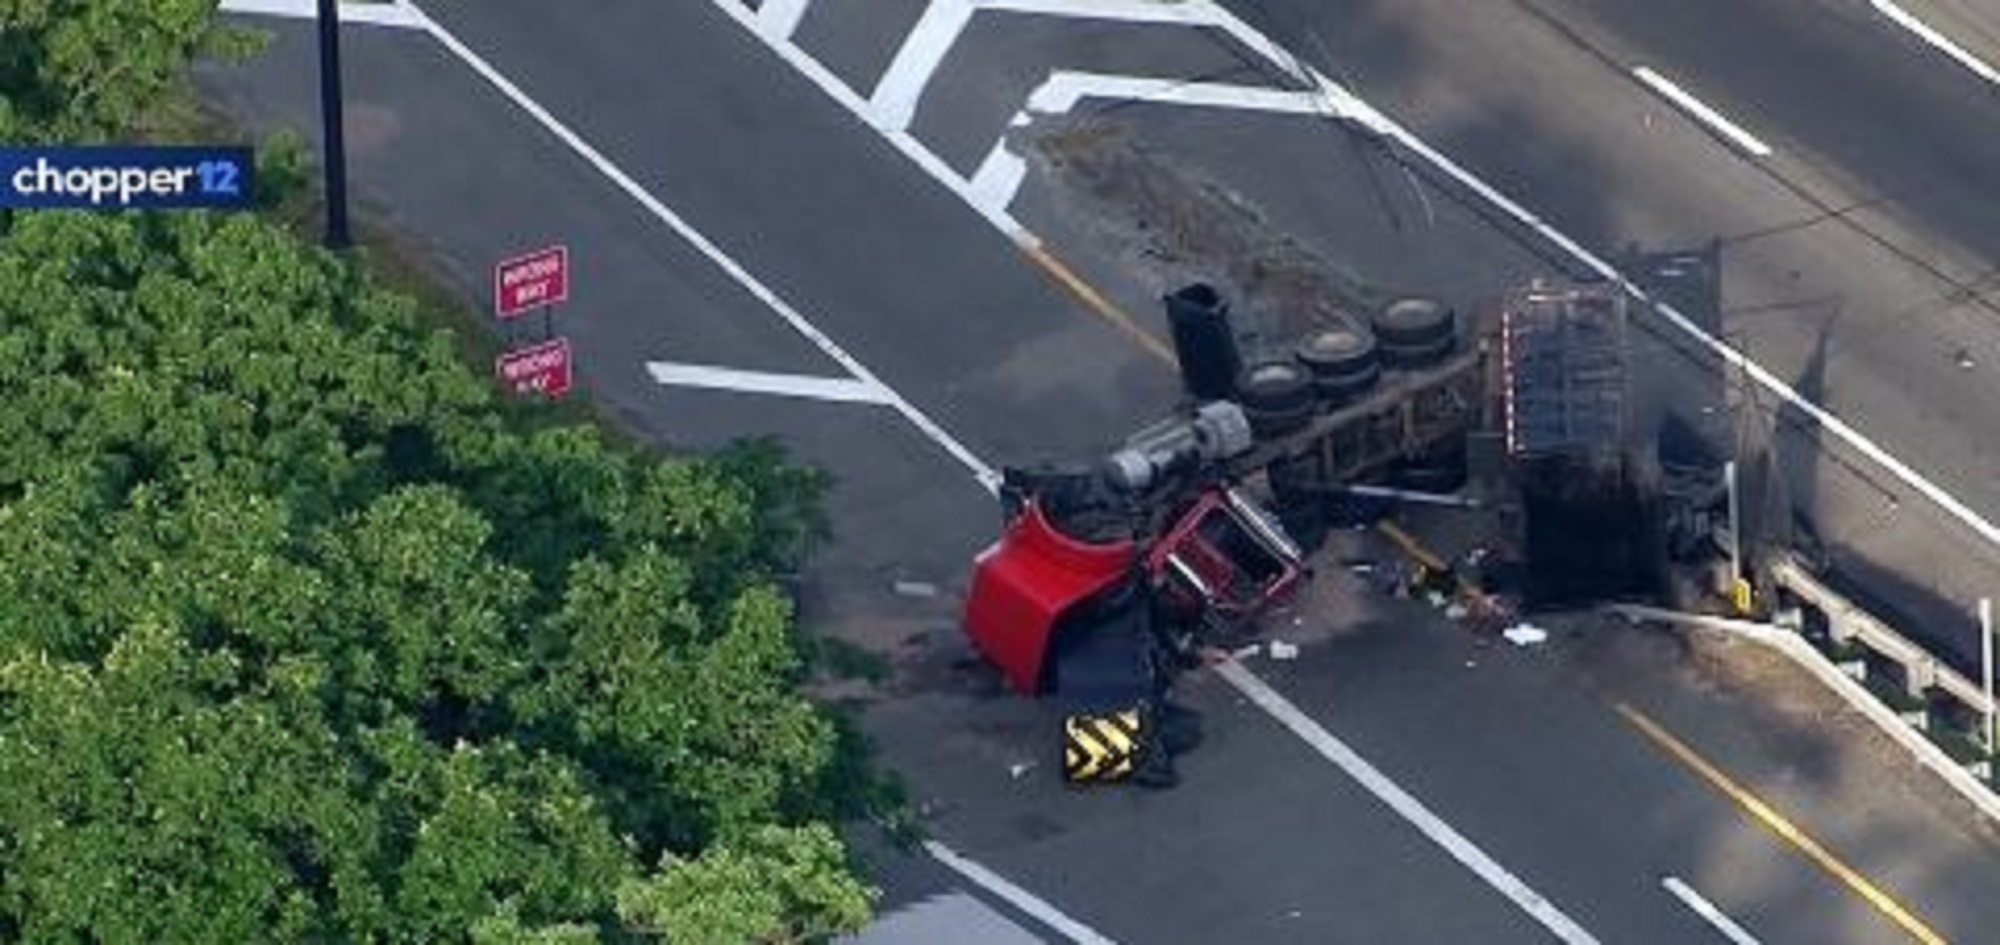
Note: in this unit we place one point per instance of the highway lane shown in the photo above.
(1258, 819)
(1845, 260)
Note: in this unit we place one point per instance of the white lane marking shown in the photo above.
(1164, 12)
(1937, 40)
(1715, 917)
(1016, 896)
(1000, 175)
(1063, 89)
(1404, 804)
(851, 100)
(778, 19)
(1702, 111)
(894, 104)
(365, 14)
(836, 389)
(707, 247)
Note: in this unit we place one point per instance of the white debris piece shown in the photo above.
(1245, 653)
(1019, 768)
(1455, 612)
(922, 589)
(1280, 650)
(1525, 634)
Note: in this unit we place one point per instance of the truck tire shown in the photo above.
(1276, 395)
(1343, 363)
(1413, 323)
(1336, 351)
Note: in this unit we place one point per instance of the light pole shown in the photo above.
(335, 138)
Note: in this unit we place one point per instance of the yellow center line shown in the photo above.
(1781, 827)
(1096, 302)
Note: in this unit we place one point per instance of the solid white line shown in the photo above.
(362, 14)
(1016, 896)
(931, 431)
(999, 177)
(1167, 12)
(1707, 910)
(894, 104)
(1404, 804)
(836, 389)
(1063, 89)
(1942, 43)
(1703, 111)
(778, 19)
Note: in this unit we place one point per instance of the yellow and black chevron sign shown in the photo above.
(1101, 747)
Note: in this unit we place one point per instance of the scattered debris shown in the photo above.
(1455, 612)
(1280, 650)
(1471, 664)
(1964, 358)
(923, 590)
(1361, 567)
(1435, 598)
(1019, 768)
(1525, 634)
(1247, 652)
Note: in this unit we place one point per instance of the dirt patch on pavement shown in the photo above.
(1175, 225)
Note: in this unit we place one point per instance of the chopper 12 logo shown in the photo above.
(126, 178)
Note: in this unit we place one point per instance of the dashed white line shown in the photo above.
(707, 247)
(834, 389)
(1938, 40)
(1405, 805)
(1715, 917)
(1702, 111)
(1015, 896)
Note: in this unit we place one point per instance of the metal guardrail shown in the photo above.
(1847, 622)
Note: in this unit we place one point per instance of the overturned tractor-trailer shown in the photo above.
(1109, 577)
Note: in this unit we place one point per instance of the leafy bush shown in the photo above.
(299, 638)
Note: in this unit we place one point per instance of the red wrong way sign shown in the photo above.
(537, 369)
(526, 283)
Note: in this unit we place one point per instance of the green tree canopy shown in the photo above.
(85, 70)
(305, 634)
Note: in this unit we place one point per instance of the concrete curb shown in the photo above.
(1802, 654)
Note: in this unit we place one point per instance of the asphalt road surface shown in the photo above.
(1401, 781)
(1857, 256)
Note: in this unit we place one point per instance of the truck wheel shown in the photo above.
(1409, 323)
(1274, 386)
(1342, 361)
(1277, 397)
(1336, 351)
